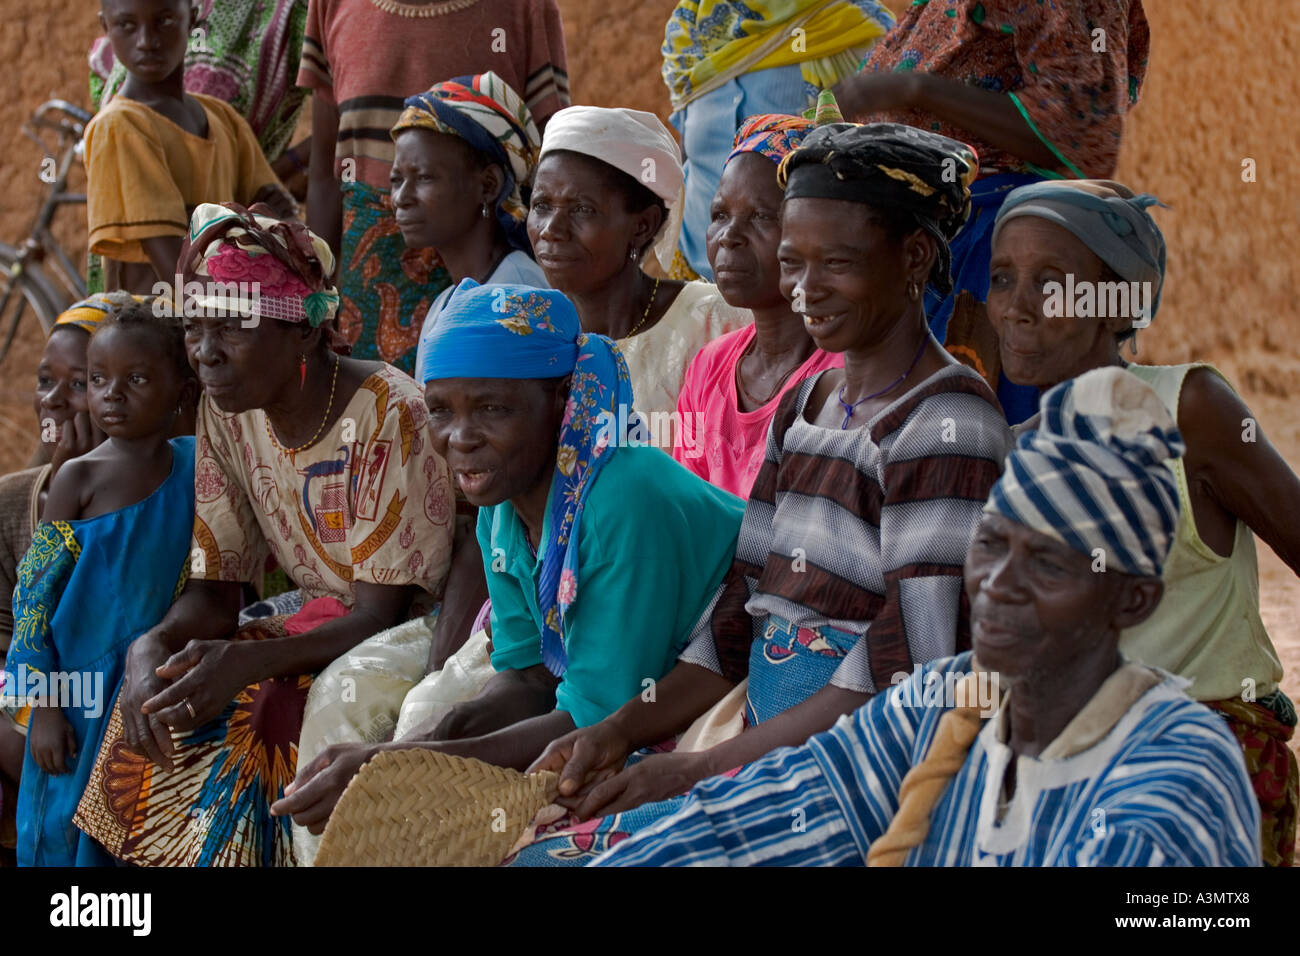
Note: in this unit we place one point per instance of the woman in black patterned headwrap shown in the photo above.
(847, 570)
(868, 214)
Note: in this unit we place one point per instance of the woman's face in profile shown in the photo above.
(744, 233)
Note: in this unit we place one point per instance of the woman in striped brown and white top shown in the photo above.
(848, 569)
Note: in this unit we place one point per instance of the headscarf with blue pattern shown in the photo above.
(518, 332)
(486, 112)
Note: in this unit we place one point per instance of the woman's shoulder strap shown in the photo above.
(1167, 380)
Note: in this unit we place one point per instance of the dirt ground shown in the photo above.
(1210, 104)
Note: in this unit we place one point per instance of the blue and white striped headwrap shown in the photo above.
(1093, 474)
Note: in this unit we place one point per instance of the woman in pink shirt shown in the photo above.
(734, 383)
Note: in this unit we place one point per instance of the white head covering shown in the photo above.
(634, 142)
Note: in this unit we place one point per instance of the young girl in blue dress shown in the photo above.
(104, 564)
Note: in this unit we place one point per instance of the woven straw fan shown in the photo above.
(421, 808)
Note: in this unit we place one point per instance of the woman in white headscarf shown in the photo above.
(608, 189)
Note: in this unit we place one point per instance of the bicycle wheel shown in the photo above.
(28, 293)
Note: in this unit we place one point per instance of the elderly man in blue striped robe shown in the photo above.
(1088, 760)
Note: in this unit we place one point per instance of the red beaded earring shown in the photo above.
(302, 372)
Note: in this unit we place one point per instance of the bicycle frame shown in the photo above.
(41, 240)
(23, 269)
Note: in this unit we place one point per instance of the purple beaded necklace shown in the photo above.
(850, 409)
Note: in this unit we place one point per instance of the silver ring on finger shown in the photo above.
(190, 708)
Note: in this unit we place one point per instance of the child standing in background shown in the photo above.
(155, 152)
(103, 567)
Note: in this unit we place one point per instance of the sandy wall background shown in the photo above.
(1214, 96)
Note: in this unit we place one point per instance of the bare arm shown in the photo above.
(1234, 471)
(63, 500)
(587, 757)
(163, 251)
(686, 692)
(205, 611)
(324, 198)
(463, 597)
(514, 746)
(993, 116)
(206, 673)
(509, 697)
(291, 168)
(660, 776)
(791, 728)
(311, 797)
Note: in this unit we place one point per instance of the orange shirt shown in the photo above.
(145, 173)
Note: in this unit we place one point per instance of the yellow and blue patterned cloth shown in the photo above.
(92, 310)
(710, 40)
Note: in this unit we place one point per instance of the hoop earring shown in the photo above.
(302, 372)
(914, 291)
(487, 212)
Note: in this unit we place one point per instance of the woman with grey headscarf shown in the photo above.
(1077, 270)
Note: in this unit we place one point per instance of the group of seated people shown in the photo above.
(737, 560)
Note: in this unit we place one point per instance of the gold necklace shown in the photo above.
(423, 11)
(328, 408)
(645, 315)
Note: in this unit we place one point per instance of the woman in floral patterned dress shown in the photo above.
(324, 463)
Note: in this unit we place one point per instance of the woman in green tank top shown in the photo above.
(1076, 271)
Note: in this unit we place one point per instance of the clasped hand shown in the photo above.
(164, 692)
(594, 780)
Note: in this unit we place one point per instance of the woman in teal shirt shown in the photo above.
(600, 553)
(651, 539)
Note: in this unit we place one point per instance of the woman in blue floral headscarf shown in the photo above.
(600, 552)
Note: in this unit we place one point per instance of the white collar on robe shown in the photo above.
(1079, 752)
